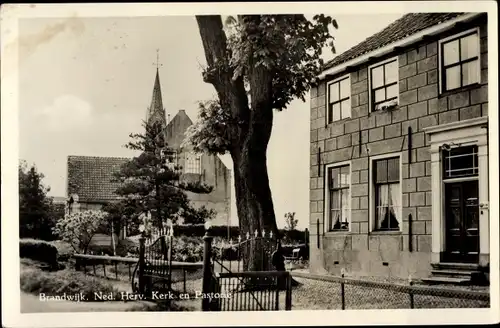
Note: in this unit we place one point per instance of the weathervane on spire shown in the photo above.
(157, 64)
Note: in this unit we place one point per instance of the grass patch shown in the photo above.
(35, 281)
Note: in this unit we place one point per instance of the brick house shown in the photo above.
(89, 178)
(399, 152)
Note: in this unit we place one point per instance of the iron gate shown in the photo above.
(154, 268)
(231, 284)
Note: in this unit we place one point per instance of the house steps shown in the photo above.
(454, 274)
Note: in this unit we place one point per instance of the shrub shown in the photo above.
(38, 250)
(64, 250)
(36, 281)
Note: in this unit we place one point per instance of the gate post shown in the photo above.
(142, 241)
(207, 269)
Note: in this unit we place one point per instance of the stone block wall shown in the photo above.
(420, 106)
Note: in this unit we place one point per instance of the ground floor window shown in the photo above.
(338, 198)
(387, 194)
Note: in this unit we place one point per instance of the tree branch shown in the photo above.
(231, 93)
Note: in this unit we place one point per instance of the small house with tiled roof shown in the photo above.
(399, 153)
(91, 183)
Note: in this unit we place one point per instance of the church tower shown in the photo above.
(156, 111)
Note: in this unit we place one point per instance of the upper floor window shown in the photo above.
(459, 60)
(338, 198)
(387, 183)
(384, 84)
(339, 99)
(193, 163)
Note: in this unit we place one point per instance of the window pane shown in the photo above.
(334, 92)
(346, 108)
(330, 113)
(392, 91)
(453, 78)
(450, 52)
(381, 171)
(470, 73)
(336, 112)
(345, 88)
(335, 200)
(377, 76)
(469, 47)
(381, 213)
(379, 95)
(394, 201)
(391, 72)
(393, 169)
(334, 177)
(345, 205)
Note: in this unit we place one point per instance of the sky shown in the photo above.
(85, 85)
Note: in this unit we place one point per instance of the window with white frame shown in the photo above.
(387, 188)
(193, 163)
(338, 193)
(339, 99)
(460, 60)
(384, 84)
(460, 162)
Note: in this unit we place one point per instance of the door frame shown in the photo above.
(461, 133)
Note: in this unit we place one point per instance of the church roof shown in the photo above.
(91, 177)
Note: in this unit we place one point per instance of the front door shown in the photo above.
(462, 221)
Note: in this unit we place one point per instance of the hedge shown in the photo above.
(198, 230)
(38, 250)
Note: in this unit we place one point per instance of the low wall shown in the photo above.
(367, 255)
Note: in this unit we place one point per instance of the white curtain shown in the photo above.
(396, 204)
(383, 202)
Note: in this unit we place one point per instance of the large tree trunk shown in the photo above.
(249, 138)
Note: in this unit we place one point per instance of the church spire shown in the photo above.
(156, 112)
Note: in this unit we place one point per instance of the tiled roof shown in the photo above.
(404, 27)
(91, 177)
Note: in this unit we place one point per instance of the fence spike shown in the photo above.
(263, 233)
(239, 239)
(248, 235)
(271, 235)
(256, 232)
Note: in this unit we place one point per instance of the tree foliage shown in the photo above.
(288, 47)
(78, 228)
(36, 211)
(290, 221)
(151, 182)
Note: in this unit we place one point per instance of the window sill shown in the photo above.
(338, 121)
(389, 232)
(337, 233)
(466, 88)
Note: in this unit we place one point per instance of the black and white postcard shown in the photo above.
(325, 163)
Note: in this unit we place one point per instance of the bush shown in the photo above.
(64, 250)
(187, 249)
(38, 250)
(36, 281)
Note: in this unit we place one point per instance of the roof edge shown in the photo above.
(400, 43)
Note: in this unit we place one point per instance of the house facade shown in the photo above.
(90, 182)
(399, 152)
